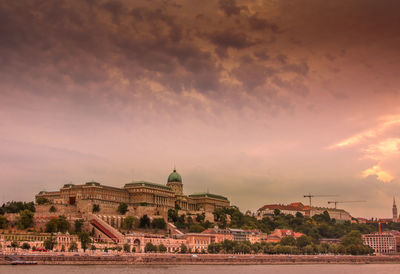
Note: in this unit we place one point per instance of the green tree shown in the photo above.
(127, 248)
(122, 208)
(62, 248)
(3, 222)
(16, 207)
(183, 249)
(95, 208)
(14, 244)
(162, 248)
(59, 224)
(73, 247)
(196, 228)
(78, 225)
(158, 223)
(25, 219)
(25, 246)
(130, 222)
(303, 241)
(85, 240)
(49, 243)
(144, 222)
(149, 247)
(42, 201)
(214, 248)
(288, 240)
(172, 215)
(200, 217)
(52, 209)
(353, 237)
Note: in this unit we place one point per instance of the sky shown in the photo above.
(259, 101)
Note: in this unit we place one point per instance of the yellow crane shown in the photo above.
(341, 202)
(309, 196)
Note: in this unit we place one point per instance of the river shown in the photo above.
(197, 269)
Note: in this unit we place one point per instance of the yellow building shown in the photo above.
(141, 197)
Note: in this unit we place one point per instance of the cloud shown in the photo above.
(378, 145)
(377, 171)
(229, 7)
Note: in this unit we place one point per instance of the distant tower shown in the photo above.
(175, 182)
(394, 210)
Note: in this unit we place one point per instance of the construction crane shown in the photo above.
(341, 202)
(309, 196)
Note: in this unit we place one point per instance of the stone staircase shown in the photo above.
(105, 228)
(173, 230)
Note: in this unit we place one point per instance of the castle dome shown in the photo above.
(174, 177)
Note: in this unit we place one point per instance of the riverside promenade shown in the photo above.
(176, 259)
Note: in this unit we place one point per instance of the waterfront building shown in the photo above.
(384, 243)
(277, 235)
(294, 208)
(198, 242)
(219, 235)
(138, 241)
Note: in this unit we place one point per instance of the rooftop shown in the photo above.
(209, 195)
(147, 184)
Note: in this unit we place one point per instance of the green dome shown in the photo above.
(174, 177)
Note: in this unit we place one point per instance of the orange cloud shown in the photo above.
(377, 171)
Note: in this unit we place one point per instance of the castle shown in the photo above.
(141, 197)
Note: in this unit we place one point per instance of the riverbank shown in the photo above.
(183, 259)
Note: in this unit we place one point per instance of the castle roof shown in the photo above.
(209, 195)
(147, 184)
(174, 177)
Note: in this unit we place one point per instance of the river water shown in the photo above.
(197, 269)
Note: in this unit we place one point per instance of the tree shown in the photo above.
(144, 222)
(200, 217)
(130, 222)
(14, 244)
(196, 228)
(25, 219)
(16, 207)
(162, 248)
(158, 223)
(3, 222)
(133, 249)
(78, 225)
(59, 224)
(25, 246)
(62, 248)
(73, 247)
(214, 248)
(122, 208)
(95, 208)
(49, 243)
(127, 248)
(42, 201)
(93, 247)
(52, 209)
(288, 240)
(353, 237)
(84, 237)
(150, 248)
(303, 241)
(183, 249)
(172, 215)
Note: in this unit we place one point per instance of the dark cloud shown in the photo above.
(257, 23)
(229, 7)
